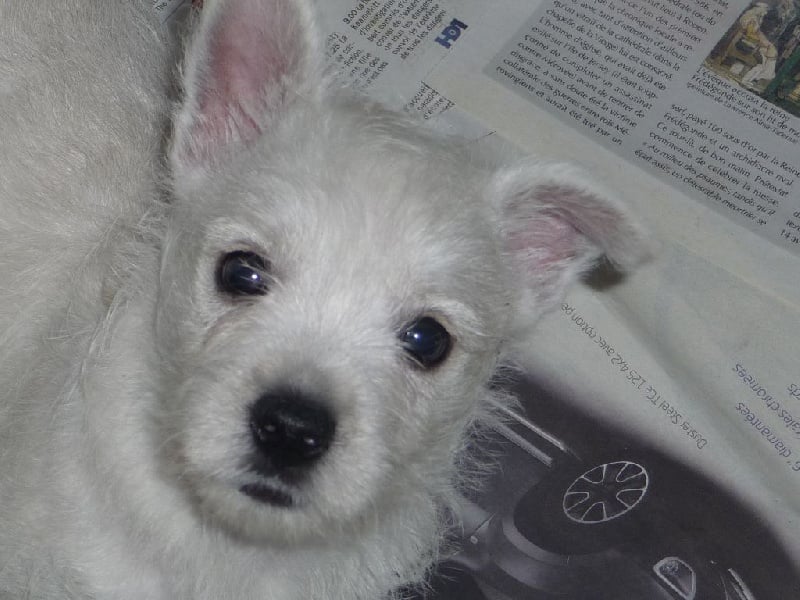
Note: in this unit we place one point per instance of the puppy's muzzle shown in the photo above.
(291, 431)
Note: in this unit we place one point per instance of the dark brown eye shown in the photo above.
(426, 341)
(243, 273)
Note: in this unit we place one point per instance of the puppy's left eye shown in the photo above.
(426, 341)
(243, 273)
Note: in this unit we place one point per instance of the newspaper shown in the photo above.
(657, 450)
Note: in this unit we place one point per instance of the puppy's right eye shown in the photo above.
(426, 341)
(243, 273)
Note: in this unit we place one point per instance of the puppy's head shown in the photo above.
(338, 286)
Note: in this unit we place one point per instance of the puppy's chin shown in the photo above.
(269, 494)
(262, 513)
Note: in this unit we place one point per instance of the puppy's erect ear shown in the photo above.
(247, 59)
(556, 226)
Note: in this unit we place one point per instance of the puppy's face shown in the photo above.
(329, 311)
(336, 286)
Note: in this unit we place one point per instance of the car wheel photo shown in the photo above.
(586, 507)
(606, 492)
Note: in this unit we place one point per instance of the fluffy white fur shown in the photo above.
(126, 375)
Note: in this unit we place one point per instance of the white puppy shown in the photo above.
(239, 360)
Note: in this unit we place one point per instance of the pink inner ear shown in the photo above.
(545, 242)
(556, 226)
(586, 214)
(246, 64)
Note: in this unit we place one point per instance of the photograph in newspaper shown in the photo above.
(584, 512)
(760, 53)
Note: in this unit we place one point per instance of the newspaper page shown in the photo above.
(656, 451)
(626, 74)
(387, 48)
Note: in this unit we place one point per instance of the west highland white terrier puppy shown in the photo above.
(240, 355)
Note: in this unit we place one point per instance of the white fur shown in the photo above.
(125, 375)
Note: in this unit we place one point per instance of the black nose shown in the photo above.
(290, 431)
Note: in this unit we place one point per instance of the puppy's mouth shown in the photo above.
(267, 494)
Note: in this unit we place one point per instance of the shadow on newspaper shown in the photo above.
(577, 511)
